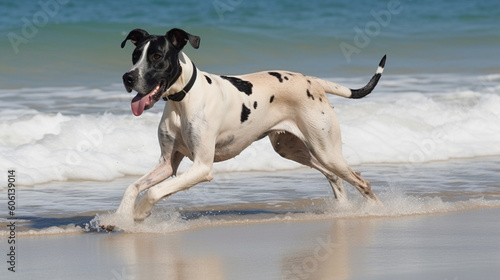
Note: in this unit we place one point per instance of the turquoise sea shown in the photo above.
(76, 43)
(66, 116)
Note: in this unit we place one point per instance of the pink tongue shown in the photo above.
(139, 103)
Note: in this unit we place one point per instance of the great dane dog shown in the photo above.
(210, 118)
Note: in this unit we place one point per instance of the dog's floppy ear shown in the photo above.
(135, 36)
(179, 38)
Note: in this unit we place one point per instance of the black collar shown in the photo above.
(181, 94)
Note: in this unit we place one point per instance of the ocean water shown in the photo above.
(65, 117)
(70, 42)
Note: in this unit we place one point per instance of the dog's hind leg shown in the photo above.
(332, 160)
(323, 140)
(291, 147)
(340, 168)
(336, 184)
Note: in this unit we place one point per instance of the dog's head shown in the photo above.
(156, 65)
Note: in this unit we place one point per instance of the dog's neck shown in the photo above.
(184, 82)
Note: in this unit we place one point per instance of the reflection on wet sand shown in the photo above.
(329, 256)
(462, 244)
(298, 250)
(152, 256)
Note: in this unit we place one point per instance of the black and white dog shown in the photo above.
(210, 118)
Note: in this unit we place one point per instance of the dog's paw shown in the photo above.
(107, 228)
(114, 222)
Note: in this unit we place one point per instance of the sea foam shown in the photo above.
(406, 122)
(396, 204)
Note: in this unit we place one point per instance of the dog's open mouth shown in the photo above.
(143, 102)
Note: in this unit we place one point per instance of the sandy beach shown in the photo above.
(460, 245)
(448, 233)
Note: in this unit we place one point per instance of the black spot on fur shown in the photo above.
(255, 105)
(309, 81)
(286, 78)
(277, 75)
(309, 95)
(208, 79)
(272, 99)
(244, 113)
(320, 100)
(243, 86)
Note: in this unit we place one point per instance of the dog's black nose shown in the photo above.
(129, 81)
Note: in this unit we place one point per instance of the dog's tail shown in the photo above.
(343, 91)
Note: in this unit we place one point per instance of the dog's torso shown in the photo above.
(235, 111)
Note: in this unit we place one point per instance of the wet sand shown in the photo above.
(459, 245)
(441, 223)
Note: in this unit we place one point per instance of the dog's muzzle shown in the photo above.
(129, 80)
(143, 102)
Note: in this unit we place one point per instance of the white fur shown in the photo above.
(380, 70)
(141, 63)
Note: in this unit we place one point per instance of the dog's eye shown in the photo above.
(156, 57)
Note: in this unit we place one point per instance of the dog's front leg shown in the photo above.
(161, 172)
(201, 171)
(164, 169)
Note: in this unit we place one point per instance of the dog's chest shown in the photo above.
(229, 146)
